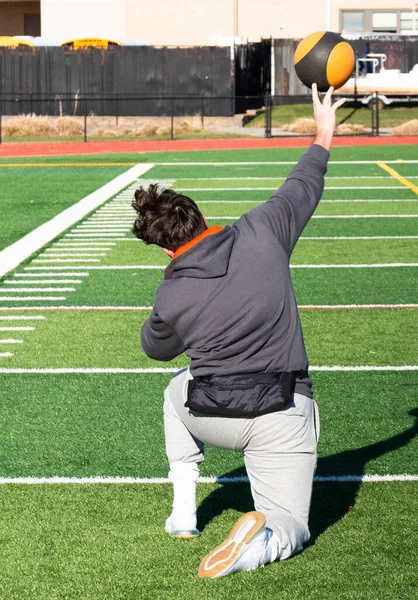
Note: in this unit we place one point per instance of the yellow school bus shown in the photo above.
(7, 41)
(83, 43)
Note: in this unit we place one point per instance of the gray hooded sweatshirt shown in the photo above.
(229, 302)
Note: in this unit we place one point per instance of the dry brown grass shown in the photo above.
(25, 126)
(147, 130)
(308, 126)
(348, 128)
(408, 128)
(163, 131)
(301, 126)
(68, 126)
(123, 130)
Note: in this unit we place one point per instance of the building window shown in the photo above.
(397, 20)
(407, 22)
(32, 24)
(352, 21)
(386, 22)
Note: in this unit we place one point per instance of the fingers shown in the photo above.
(327, 99)
(338, 103)
(315, 97)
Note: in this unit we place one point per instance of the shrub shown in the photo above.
(301, 126)
(408, 128)
(148, 130)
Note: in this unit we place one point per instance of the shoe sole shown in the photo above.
(221, 559)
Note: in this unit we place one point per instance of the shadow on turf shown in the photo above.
(330, 500)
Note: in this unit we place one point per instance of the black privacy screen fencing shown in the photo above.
(131, 80)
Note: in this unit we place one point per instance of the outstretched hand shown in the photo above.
(324, 113)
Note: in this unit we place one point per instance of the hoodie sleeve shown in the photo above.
(159, 340)
(290, 208)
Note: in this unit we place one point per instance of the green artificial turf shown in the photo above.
(237, 182)
(83, 425)
(352, 227)
(388, 117)
(108, 542)
(31, 197)
(386, 207)
(399, 193)
(346, 153)
(307, 252)
(110, 339)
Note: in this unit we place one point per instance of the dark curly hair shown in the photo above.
(166, 218)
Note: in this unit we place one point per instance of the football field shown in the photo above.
(83, 475)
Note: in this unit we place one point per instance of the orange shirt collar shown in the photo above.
(196, 240)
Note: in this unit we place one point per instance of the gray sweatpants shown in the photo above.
(279, 451)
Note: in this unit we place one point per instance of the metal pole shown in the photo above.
(235, 18)
(328, 15)
(172, 119)
(85, 120)
(373, 113)
(377, 114)
(267, 131)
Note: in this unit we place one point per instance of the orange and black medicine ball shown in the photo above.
(324, 58)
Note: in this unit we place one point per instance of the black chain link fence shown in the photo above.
(174, 108)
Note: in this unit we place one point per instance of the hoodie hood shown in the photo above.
(208, 258)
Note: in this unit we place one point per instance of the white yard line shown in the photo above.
(376, 216)
(76, 253)
(5, 354)
(360, 237)
(17, 328)
(95, 227)
(158, 267)
(338, 237)
(71, 274)
(26, 298)
(12, 256)
(283, 177)
(36, 289)
(99, 237)
(356, 266)
(103, 267)
(353, 306)
(328, 201)
(149, 308)
(270, 189)
(98, 370)
(72, 249)
(93, 245)
(54, 252)
(66, 260)
(202, 480)
(11, 341)
(282, 162)
(43, 281)
(20, 317)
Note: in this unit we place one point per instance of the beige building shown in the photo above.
(203, 22)
(20, 17)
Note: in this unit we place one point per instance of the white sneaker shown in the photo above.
(181, 528)
(245, 548)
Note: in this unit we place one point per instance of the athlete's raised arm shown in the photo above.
(290, 208)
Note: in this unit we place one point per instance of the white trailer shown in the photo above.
(390, 84)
